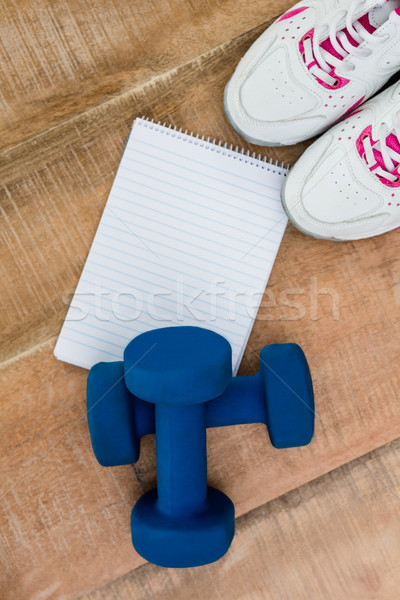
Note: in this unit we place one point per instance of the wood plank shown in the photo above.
(65, 520)
(58, 59)
(54, 188)
(335, 538)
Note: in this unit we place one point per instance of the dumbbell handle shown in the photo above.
(181, 459)
(241, 403)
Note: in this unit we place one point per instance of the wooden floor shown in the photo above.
(318, 523)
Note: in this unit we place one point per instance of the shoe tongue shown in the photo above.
(365, 22)
(380, 14)
(391, 142)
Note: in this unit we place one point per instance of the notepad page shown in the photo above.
(188, 236)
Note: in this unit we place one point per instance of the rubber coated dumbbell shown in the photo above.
(280, 395)
(176, 381)
(183, 522)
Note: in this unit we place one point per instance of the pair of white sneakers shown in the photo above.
(311, 71)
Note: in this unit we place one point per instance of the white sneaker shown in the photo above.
(346, 186)
(312, 67)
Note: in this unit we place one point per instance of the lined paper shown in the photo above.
(188, 236)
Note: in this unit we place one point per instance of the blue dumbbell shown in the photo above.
(280, 395)
(183, 522)
(176, 381)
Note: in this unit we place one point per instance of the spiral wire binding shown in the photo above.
(217, 145)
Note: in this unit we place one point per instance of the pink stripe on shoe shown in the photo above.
(340, 81)
(328, 46)
(349, 113)
(392, 142)
(292, 13)
(353, 107)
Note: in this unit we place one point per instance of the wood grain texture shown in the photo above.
(337, 538)
(64, 520)
(54, 188)
(59, 59)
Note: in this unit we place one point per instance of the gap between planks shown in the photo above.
(306, 517)
(142, 87)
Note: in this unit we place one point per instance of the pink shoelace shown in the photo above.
(323, 53)
(383, 154)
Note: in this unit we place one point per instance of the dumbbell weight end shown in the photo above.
(183, 523)
(116, 419)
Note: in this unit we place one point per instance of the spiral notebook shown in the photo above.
(188, 236)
